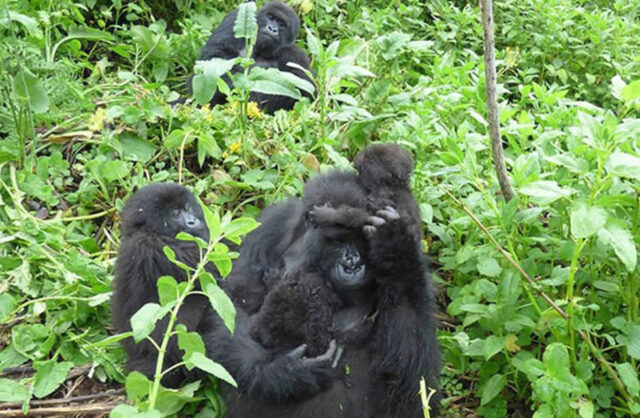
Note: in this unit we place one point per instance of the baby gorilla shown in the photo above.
(151, 219)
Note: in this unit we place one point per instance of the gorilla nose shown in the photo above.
(273, 30)
(351, 260)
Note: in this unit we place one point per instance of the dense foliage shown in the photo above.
(85, 119)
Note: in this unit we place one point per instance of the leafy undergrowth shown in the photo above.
(85, 120)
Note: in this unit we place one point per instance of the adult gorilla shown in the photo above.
(278, 27)
(330, 266)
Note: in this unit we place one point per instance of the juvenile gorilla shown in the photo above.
(336, 266)
(151, 219)
(278, 27)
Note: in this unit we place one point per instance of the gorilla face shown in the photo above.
(338, 253)
(278, 25)
(165, 209)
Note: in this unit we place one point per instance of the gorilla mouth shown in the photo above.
(350, 275)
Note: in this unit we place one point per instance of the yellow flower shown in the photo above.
(235, 147)
(96, 121)
(225, 154)
(253, 111)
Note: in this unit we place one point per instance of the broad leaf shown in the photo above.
(202, 362)
(587, 221)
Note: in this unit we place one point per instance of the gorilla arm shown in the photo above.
(265, 374)
(407, 349)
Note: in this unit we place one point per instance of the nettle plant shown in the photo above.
(150, 396)
(574, 229)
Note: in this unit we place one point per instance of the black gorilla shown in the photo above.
(278, 27)
(151, 219)
(334, 266)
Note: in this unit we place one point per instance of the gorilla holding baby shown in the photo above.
(345, 264)
(278, 27)
(151, 219)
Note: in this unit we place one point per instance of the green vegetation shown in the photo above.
(85, 119)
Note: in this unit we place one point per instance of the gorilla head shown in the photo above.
(278, 25)
(164, 209)
(334, 244)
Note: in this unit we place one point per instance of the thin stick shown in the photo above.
(62, 410)
(492, 99)
(49, 402)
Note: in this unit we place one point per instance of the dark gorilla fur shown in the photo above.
(383, 319)
(148, 225)
(278, 27)
(385, 171)
(151, 219)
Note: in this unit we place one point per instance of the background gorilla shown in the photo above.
(383, 314)
(278, 27)
(151, 219)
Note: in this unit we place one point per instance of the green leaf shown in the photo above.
(190, 342)
(492, 346)
(11, 391)
(50, 375)
(623, 165)
(631, 339)
(167, 289)
(213, 223)
(30, 24)
(202, 362)
(128, 411)
(585, 408)
(207, 73)
(171, 255)
(632, 91)
(492, 388)
(135, 148)
(587, 221)
(7, 305)
(29, 87)
(221, 258)
(137, 386)
(222, 304)
(246, 25)
(556, 360)
(488, 266)
(622, 243)
(239, 227)
(144, 320)
(544, 191)
(629, 377)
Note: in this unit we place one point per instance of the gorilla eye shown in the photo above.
(269, 16)
(175, 213)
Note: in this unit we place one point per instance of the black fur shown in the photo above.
(148, 224)
(386, 325)
(385, 171)
(274, 48)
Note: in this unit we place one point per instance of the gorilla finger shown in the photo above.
(369, 230)
(389, 213)
(336, 359)
(325, 357)
(297, 352)
(376, 220)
